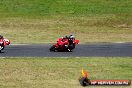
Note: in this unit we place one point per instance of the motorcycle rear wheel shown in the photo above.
(53, 48)
(2, 47)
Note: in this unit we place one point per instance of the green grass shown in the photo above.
(43, 21)
(61, 72)
(65, 7)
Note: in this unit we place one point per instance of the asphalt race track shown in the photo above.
(89, 50)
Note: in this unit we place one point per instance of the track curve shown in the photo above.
(89, 50)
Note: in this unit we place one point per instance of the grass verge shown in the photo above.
(61, 72)
(87, 29)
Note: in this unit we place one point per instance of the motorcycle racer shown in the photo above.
(66, 43)
(63, 42)
(67, 40)
(3, 42)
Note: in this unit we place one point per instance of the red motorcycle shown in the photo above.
(66, 44)
(3, 42)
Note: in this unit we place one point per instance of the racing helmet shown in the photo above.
(72, 36)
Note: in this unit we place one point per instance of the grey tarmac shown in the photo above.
(81, 50)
